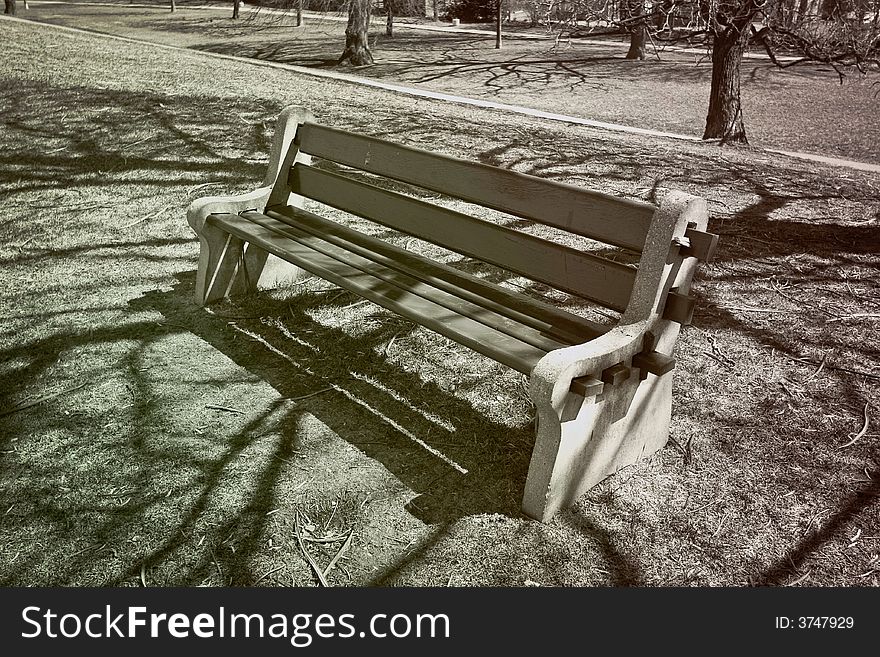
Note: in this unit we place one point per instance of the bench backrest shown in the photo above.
(581, 212)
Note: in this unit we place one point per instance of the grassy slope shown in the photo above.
(127, 468)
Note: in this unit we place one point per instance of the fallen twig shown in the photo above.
(757, 310)
(265, 575)
(144, 218)
(203, 185)
(339, 553)
(40, 400)
(855, 316)
(217, 565)
(818, 369)
(312, 394)
(224, 408)
(22, 245)
(85, 549)
(302, 547)
(860, 433)
(831, 367)
(799, 579)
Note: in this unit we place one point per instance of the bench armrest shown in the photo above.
(662, 268)
(551, 379)
(282, 156)
(200, 208)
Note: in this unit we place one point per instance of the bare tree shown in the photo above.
(729, 24)
(834, 37)
(389, 18)
(357, 47)
(236, 4)
(638, 28)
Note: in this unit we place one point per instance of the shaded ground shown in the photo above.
(146, 440)
(800, 109)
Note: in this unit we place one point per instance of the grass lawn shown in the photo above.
(801, 109)
(144, 440)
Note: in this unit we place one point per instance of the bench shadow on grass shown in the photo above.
(376, 406)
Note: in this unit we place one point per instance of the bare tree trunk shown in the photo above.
(299, 13)
(635, 9)
(637, 42)
(498, 17)
(724, 120)
(357, 46)
(389, 21)
(10, 7)
(235, 8)
(436, 14)
(173, 6)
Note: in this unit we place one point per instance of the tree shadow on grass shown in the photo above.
(374, 404)
(466, 57)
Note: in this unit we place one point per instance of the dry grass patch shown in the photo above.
(148, 441)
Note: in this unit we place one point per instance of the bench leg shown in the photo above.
(626, 423)
(229, 267)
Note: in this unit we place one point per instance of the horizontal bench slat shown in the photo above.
(396, 296)
(558, 323)
(410, 284)
(612, 220)
(606, 282)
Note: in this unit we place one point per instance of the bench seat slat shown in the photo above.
(397, 297)
(394, 276)
(562, 325)
(604, 281)
(607, 218)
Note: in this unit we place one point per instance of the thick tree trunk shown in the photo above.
(10, 7)
(357, 46)
(235, 8)
(639, 35)
(724, 120)
(637, 42)
(173, 6)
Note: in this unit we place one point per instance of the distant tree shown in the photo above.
(236, 4)
(638, 26)
(834, 37)
(357, 46)
(10, 7)
(842, 34)
(728, 23)
(389, 17)
(173, 6)
(472, 11)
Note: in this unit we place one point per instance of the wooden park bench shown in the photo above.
(602, 392)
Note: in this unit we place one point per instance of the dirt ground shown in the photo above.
(146, 441)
